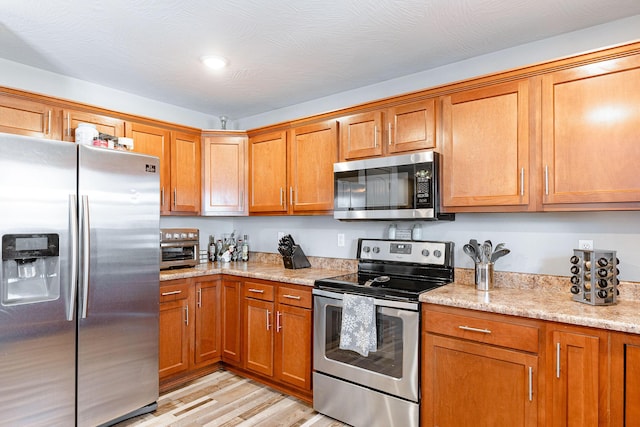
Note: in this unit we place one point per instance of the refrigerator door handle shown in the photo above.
(73, 274)
(86, 250)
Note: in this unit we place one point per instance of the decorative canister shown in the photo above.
(85, 133)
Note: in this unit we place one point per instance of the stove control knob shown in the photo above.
(437, 253)
(366, 249)
(376, 250)
(425, 252)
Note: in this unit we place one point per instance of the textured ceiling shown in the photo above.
(280, 52)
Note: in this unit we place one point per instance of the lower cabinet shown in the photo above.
(577, 376)
(277, 334)
(231, 312)
(479, 369)
(189, 324)
(625, 379)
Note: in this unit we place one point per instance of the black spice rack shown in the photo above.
(594, 276)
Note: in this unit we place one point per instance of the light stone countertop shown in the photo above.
(255, 270)
(544, 303)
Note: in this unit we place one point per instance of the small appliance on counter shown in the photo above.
(293, 256)
(179, 247)
(594, 276)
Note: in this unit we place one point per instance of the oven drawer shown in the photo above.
(295, 297)
(174, 291)
(487, 328)
(261, 291)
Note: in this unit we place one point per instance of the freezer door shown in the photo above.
(37, 318)
(119, 283)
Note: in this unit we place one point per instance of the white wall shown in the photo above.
(540, 243)
(613, 33)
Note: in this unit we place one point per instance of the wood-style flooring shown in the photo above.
(223, 399)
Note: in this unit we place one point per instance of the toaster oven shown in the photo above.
(179, 247)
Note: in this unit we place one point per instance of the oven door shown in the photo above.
(392, 369)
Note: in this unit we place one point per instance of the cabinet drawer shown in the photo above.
(260, 291)
(485, 328)
(294, 296)
(174, 291)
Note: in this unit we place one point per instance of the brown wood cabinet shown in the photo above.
(277, 334)
(28, 117)
(577, 376)
(403, 128)
(104, 124)
(225, 174)
(486, 148)
(292, 172)
(231, 312)
(179, 155)
(173, 357)
(625, 379)
(591, 135)
(479, 369)
(189, 337)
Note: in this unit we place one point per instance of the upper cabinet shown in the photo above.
(225, 174)
(104, 124)
(591, 135)
(292, 172)
(179, 155)
(485, 142)
(26, 117)
(405, 127)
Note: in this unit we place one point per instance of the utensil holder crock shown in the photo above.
(484, 276)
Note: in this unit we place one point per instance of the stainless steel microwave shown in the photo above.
(179, 247)
(388, 188)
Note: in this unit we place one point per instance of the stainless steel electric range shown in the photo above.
(381, 388)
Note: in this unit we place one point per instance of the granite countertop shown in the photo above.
(546, 303)
(255, 270)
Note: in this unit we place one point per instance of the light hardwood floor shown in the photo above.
(224, 399)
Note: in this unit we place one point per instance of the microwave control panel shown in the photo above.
(424, 186)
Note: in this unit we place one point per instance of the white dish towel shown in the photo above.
(358, 329)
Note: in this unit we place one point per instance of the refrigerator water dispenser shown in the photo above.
(30, 268)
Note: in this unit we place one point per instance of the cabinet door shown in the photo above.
(154, 141)
(268, 173)
(411, 127)
(625, 379)
(173, 356)
(185, 173)
(225, 189)
(258, 340)
(591, 133)
(293, 346)
(361, 136)
(314, 150)
(207, 321)
(486, 148)
(30, 118)
(104, 124)
(578, 395)
(500, 385)
(231, 316)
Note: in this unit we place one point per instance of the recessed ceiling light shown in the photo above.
(214, 62)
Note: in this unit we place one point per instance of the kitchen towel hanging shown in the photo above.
(358, 329)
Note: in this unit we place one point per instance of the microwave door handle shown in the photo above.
(73, 263)
(86, 242)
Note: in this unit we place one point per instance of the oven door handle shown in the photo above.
(405, 305)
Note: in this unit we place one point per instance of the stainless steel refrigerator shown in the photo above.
(78, 284)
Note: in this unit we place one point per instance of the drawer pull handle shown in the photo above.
(469, 328)
(256, 291)
(164, 294)
(297, 297)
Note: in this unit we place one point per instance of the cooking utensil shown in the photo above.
(499, 254)
(471, 251)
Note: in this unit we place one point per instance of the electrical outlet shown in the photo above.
(280, 234)
(585, 245)
(340, 240)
